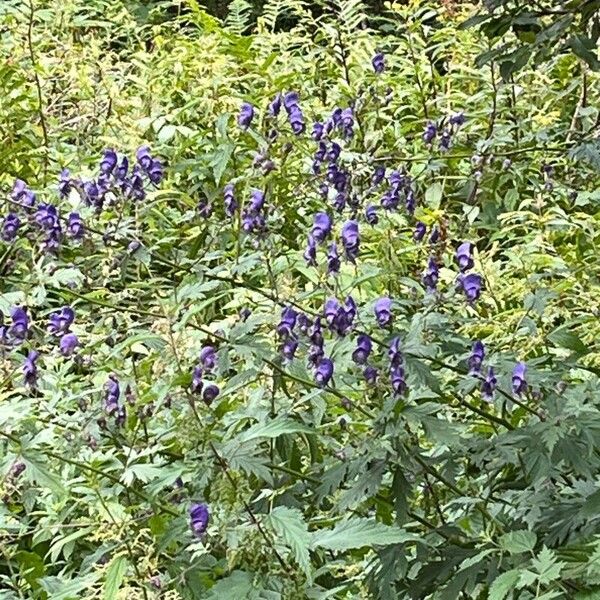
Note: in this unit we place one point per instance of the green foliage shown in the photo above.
(347, 491)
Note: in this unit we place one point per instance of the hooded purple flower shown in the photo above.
(143, 157)
(230, 202)
(395, 353)
(472, 285)
(364, 345)
(383, 311)
(30, 368)
(10, 227)
(430, 132)
(324, 372)
(398, 381)
(476, 357)
(275, 105)
(378, 63)
(296, 119)
(434, 236)
(519, 383)
(464, 256)
(109, 161)
(209, 393)
(208, 357)
(20, 323)
(333, 259)
(257, 201)
(457, 119)
(289, 347)
(22, 194)
(310, 252)
(61, 320)
(316, 333)
(378, 176)
(68, 343)
(64, 183)
(371, 215)
(347, 122)
(321, 226)
(122, 169)
(156, 171)
(351, 240)
(246, 115)
(112, 392)
(46, 216)
(488, 385)
(287, 322)
(420, 230)
(318, 132)
(199, 518)
(75, 227)
(431, 275)
(370, 374)
(197, 383)
(330, 310)
(445, 140)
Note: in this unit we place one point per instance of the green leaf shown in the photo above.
(357, 533)
(584, 48)
(433, 195)
(114, 577)
(289, 524)
(565, 339)
(518, 541)
(273, 429)
(503, 584)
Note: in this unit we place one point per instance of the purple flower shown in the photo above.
(68, 343)
(208, 357)
(210, 392)
(310, 253)
(394, 353)
(457, 119)
(321, 226)
(334, 152)
(275, 105)
(46, 216)
(230, 202)
(420, 230)
(246, 115)
(324, 372)
(121, 416)
(351, 240)
(22, 194)
(289, 347)
(472, 285)
(378, 62)
(257, 201)
(370, 374)
(434, 236)
(398, 381)
(476, 357)
(290, 100)
(64, 183)
(75, 227)
(30, 368)
(20, 324)
(371, 215)
(61, 320)
(445, 140)
(431, 275)
(347, 122)
(109, 161)
(383, 311)
(296, 119)
(143, 157)
(197, 383)
(464, 256)
(318, 132)
(330, 310)
(304, 323)
(112, 392)
(122, 169)
(316, 333)
(488, 385)
(10, 227)
(430, 132)
(287, 322)
(156, 171)
(519, 383)
(378, 176)
(315, 354)
(199, 518)
(364, 345)
(333, 259)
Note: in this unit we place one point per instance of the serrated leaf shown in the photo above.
(518, 541)
(289, 524)
(273, 429)
(114, 577)
(504, 584)
(357, 533)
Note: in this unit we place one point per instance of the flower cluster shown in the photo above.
(59, 325)
(206, 365)
(112, 394)
(446, 128)
(472, 283)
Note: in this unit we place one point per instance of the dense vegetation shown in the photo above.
(301, 311)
